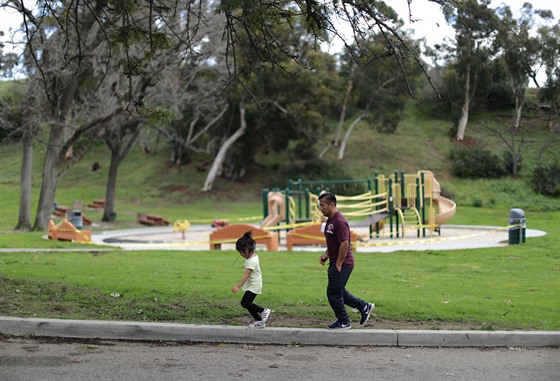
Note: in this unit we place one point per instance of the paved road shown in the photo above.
(25, 359)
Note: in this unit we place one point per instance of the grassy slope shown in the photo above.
(146, 183)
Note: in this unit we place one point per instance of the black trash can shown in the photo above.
(518, 225)
(77, 219)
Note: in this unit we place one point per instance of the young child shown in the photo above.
(251, 280)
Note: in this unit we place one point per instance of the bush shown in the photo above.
(545, 179)
(475, 162)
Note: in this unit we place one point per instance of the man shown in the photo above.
(341, 264)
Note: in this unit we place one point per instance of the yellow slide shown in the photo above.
(276, 209)
(446, 207)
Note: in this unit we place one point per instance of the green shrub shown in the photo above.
(476, 162)
(545, 179)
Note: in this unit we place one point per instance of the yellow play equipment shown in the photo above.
(417, 201)
(400, 201)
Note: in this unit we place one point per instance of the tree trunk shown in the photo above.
(465, 109)
(517, 112)
(342, 118)
(118, 154)
(49, 179)
(220, 157)
(24, 219)
(111, 188)
(345, 104)
(347, 135)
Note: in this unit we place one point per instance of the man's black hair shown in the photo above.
(329, 197)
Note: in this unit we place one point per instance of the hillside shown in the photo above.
(147, 182)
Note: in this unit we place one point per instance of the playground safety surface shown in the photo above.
(197, 238)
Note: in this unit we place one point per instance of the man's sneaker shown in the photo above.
(366, 313)
(340, 325)
(258, 324)
(266, 314)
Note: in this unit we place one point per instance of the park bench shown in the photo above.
(311, 235)
(65, 231)
(152, 219)
(231, 233)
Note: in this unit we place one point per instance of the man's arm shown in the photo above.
(342, 253)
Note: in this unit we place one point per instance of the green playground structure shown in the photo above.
(401, 201)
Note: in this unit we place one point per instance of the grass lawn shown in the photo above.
(515, 287)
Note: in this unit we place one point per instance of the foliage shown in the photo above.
(377, 90)
(11, 99)
(545, 178)
(475, 162)
(550, 45)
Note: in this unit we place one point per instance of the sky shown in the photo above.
(431, 23)
(428, 20)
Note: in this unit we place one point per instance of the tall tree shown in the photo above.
(519, 48)
(96, 43)
(378, 94)
(550, 58)
(475, 25)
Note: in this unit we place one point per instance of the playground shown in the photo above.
(397, 212)
(197, 238)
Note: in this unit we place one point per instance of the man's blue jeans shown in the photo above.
(338, 295)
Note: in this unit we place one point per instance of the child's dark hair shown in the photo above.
(246, 244)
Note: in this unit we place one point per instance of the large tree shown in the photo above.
(378, 95)
(475, 25)
(550, 56)
(519, 48)
(80, 54)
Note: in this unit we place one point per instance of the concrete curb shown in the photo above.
(114, 330)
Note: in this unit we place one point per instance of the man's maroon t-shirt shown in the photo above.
(337, 230)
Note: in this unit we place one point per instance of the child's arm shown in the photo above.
(236, 288)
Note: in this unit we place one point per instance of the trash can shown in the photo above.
(77, 219)
(517, 232)
(112, 216)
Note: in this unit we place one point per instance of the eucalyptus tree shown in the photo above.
(519, 48)
(278, 108)
(550, 58)
(475, 25)
(378, 95)
(79, 53)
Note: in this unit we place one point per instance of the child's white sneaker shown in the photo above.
(266, 314)
(258, 324)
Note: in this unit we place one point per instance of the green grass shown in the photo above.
(516, 287)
